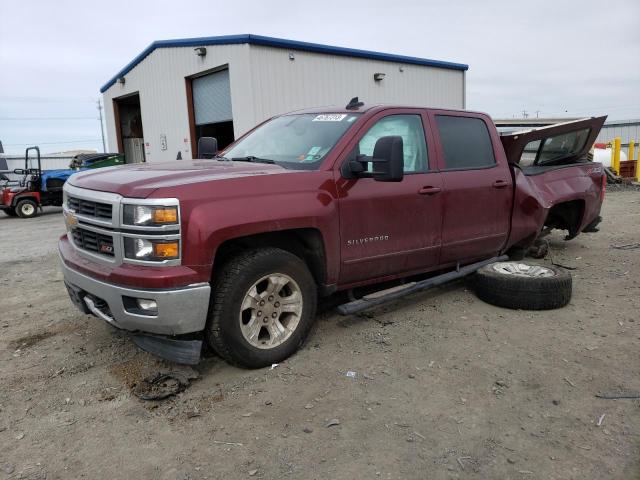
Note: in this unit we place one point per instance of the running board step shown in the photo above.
(384, 296)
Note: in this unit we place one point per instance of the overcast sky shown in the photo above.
(557, 57)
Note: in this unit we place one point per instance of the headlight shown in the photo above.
(151, 250)
(150, 215)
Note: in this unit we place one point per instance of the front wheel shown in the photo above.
(262, 307)
(26, 208)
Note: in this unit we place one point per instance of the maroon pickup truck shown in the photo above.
(237, 249)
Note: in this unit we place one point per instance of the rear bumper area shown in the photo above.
(179, 310)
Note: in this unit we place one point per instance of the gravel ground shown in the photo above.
(445, 385)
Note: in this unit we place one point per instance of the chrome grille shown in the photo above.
(93, 242)
(89, 208)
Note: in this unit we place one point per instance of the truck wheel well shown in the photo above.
(305, 243)
(566, 216)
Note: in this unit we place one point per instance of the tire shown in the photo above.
(235, 333)
(26, 208)
(527, 287)
(10, 212)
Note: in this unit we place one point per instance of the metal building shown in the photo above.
(176, 91)
(627, 130)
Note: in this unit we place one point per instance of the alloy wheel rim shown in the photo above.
(271, 310)
(522, 269)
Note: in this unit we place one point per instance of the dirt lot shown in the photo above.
(446, 386)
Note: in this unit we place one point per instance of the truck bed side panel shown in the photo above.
(537, 191)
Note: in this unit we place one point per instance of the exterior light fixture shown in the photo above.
(292, 56)
(379, 76)
(200, 51)
(121, 80)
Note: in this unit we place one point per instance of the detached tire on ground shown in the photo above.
(262, 307)
(523, 286)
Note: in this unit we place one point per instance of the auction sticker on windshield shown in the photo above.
(330, 117)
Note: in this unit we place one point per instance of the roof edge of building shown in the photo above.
(280, 43)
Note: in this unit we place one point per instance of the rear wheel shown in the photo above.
(262, 307)
(521, 285)
(26, 208)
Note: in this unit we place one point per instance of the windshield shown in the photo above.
(293, 141)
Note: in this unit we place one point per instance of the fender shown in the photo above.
(246, 206)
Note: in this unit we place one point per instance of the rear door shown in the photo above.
(387, 228)
(477, 185)
(559, 144)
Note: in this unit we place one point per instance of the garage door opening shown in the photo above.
(129, 132)
(209, 98)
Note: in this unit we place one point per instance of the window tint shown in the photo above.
(465, 141)
(561, 146)
(409, 127)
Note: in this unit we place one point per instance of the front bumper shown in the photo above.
(180, 310)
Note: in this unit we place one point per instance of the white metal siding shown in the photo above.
(626, 132)
(264, 82)
(315, 79)
(160, 79)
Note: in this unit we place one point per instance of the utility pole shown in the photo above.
(525, 114)
(104, 148)
(537, 113)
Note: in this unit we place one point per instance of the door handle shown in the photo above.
(429, 190)
(500, 184)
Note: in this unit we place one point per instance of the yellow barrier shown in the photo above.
(616, 155)
(632, 150)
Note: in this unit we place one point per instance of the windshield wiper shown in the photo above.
(252, 158)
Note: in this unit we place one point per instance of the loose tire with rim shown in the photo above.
(26, 208)
(262, 307)
(525, 286)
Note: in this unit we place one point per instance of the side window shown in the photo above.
(409, 127)
(466, 142)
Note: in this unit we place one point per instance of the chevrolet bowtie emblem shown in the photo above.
(70, 219)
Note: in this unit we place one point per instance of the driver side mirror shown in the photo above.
(387, 161)
(19, 171)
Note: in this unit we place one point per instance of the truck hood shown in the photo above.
(141, 180)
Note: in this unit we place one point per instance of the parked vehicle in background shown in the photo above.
(96, 160)
(237, 249)
(39, 188)
(34, 190)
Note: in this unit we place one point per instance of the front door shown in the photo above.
(387, 228)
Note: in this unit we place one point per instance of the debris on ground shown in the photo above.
(351, 374)
(162, 385)
(628, 246)
(332, 422)
(614, 396)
